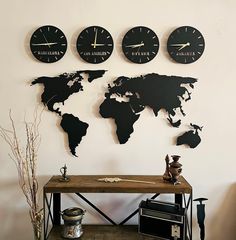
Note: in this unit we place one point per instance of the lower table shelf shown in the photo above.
(103, 232)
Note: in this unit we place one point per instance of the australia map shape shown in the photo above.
(124, 101)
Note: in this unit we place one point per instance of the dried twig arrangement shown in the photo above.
(24, 154)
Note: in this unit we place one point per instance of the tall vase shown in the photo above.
(37, 230)
(37, 224)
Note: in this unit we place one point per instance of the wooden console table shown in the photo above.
(89, 184)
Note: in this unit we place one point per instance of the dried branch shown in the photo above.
(25, 156)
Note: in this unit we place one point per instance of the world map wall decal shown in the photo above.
(124, 101)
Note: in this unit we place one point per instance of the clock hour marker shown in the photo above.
(56, 31)
(48, 29)
(186, 29)
(199, 37)
(194, 31)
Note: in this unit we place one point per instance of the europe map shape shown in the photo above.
(151, 90)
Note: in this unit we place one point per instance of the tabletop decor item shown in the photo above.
(25, 156)
(72, 217)
(201, 216)
(116, 180)
(64, 177)
(173, 169)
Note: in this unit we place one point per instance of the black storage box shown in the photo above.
(163, 220)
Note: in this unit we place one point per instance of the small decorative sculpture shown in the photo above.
(116, 180)
(201, 216)
(64, 177)
(173, 169)
(167, 175)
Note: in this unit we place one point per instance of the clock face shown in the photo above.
(48, 44)
(185, 44)
(94, 44)
(140, 44)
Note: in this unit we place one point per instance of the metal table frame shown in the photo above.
(52, 210)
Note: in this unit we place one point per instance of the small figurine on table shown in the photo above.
(173, 169)
(64, 177)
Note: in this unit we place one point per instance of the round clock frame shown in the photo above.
(140, 44)
(94, 44)
(185, 44)
(48, 44)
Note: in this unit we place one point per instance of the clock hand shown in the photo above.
(46, 40)
(177, 44)
(135, 45)
(185, 45)
(44, 44)
(140, 46)
(95, 39)
(181, 45)
(98, 44)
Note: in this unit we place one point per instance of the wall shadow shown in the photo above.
(223, 225)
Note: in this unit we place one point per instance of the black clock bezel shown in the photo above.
(86, 44)
(194, 43)
(135, 37)
(48, 34)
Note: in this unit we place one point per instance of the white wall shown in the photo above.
(210, 168)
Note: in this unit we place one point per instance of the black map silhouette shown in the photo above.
(57, 90)
(123, 102)
(190, 138)
(151, 90)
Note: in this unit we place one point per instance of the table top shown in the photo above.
(90, 184)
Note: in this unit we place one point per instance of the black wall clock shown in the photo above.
(48, 44)
(94, 44)
(185, 44)
(140, 44)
